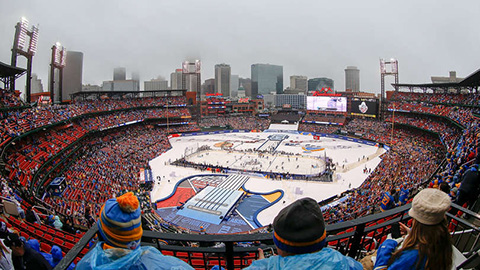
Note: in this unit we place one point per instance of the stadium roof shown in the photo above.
(9, 71)
(472, 81)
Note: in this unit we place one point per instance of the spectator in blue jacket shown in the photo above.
(428, 244)
(120, 228)
(300, 236)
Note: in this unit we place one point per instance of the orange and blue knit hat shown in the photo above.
(300, 228)
(120, 222)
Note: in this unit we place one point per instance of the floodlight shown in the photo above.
(22, 36)
(32, 49)
(63, 60)
(58, 58)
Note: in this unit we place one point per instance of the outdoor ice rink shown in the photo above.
(351, 159)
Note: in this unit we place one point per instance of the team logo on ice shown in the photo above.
(363, 107)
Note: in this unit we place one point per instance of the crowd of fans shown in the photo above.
(414, 156)
(448, 133)
(14, 123)
(236, 122)
(444, 98)
(10, 99)
(108, 164)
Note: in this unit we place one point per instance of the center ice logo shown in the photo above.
(312, 148)
(363, 107)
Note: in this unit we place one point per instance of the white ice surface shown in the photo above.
(342, 152)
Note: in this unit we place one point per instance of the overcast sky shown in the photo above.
(312, 38)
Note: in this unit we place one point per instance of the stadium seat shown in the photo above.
(58, 241)
(68, 245)
(44, 247)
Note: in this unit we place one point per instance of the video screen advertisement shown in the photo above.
(328, 104)
(364, 107)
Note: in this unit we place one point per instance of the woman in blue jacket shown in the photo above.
(428, 244)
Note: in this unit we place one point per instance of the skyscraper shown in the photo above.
(234, 83)
(156, 84)
(176, 79)
(352, 78)
(191, 77)
(72, 74)
(316, 84)
(119, 74)
(222, 79)
(266, 78)
(298, 83)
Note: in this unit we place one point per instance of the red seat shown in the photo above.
(48, 237)
(167, 252)
(59, 234)
(68, 245)
(70, 238)
(58, 241)
(51, 231)
(24, 235)
(44, 247)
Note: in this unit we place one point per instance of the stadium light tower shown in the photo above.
(387, 68)
(20, 48)
(58, 61)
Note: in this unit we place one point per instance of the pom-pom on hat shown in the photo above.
(120, 222)
(429, 206)
(300, 228)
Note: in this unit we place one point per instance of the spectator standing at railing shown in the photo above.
(428, 244)
(120, 230)
(300, 238)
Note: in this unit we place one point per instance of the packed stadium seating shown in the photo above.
(40, 143)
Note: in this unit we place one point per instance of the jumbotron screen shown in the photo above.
(364, 107)
(325, 103)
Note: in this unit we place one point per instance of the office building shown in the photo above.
(234, 84)
(119, 74)
(450, 79)
(352, 78)
(266, 79)
(246, 83)
(176, 79)
(126, 85)
(72, 74)
(208, 87)
(317, 84)
(298, 83)
(191, 77)
(291, 101)
(155, 84)
(37, 86)
(222, 79)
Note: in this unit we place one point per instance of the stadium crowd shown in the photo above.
(236, 122)
(103, 166)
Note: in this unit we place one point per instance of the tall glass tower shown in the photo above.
(266, 78)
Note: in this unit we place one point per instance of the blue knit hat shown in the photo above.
(120, 222)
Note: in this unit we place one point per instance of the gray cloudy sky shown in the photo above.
(312, 38)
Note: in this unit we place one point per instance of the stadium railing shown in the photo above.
(353, 238)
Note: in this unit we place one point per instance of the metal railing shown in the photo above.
(353, 238)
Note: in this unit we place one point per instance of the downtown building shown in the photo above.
(317, 84)
(352, 78)
(222, 79)
(266, 79)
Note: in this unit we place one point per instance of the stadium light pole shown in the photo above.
(58, 61)
(19, 48)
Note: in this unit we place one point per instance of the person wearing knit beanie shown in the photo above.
(300, 237)
(428, 244)
(120, 228)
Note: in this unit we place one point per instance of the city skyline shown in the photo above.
(429, 38)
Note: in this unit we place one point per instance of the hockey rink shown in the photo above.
(282, 152)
